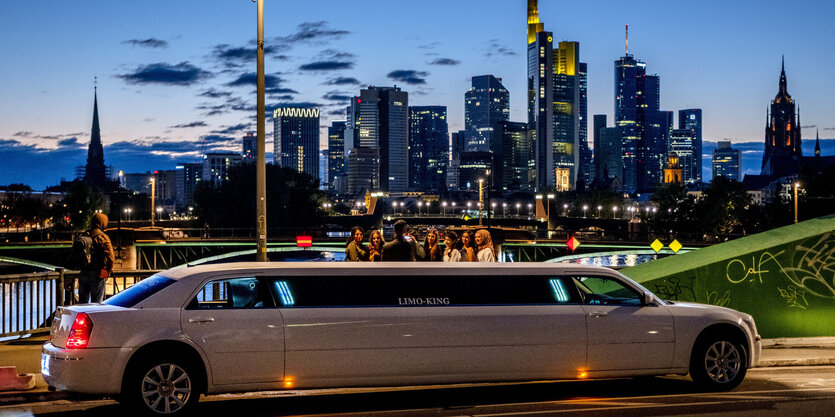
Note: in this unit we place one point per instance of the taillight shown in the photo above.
(80, 332)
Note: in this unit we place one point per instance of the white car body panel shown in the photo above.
(255, 349)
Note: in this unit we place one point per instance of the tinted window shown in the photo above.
(365, 291)
(606, 290)
(139, 291)
(232, 293)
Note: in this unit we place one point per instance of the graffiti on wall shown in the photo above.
(811, 271)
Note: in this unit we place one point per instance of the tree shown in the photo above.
(78, 206)
(293, 199)
(723, 206)
(675, 210)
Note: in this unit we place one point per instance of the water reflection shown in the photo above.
(615, 261)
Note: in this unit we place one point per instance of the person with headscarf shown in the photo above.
(431, 247)
(468, 247)
(486, 253)
(451, 251)
(354, 251)
(92, 278)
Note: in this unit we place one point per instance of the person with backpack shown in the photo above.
(99, 259)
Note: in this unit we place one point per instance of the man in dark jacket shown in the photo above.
(93, 277)
(403, 247)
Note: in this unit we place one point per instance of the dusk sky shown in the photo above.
(176, 78)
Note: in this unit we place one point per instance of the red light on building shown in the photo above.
(304, 241)
(573, 243)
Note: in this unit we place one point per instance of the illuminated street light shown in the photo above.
(585, 207)
(518, 206)
(796, 186)
(599, 209)
(614, 211)
(443, 204)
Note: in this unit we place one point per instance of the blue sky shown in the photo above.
(175, 77)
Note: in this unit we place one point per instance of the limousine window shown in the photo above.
(231, 293)
(605, 290)
(421, 291)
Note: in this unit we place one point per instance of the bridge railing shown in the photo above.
(28, 301)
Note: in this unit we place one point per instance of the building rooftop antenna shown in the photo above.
(627, 39)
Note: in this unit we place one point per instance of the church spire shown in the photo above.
(783, 87)
(95, 171)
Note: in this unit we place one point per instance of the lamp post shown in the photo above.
(585, 207)
(443, 204)
(565, 209)
(260, 162)
(419, 204)
(796, 186)
(599, 211)
(504, 207)
(548, 209)
(518, 206)
(530, 206)
(153, 193)
(159, 212)
(614, 212)
(119, 216)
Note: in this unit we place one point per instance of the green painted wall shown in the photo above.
(785, 278)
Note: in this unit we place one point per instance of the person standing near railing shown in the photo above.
(93, 276)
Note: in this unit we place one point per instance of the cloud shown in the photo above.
(147, 43)
(213, 109)
(337, 112)
(278, 90)
(828, 128)
(808, 126)
(229, 130)
(432, 45)
(313, 33)
(33, 135)
(236, 57)
(70, 143)
(182, 74)
(409, 76)
(497, 49)
(188, 125)
(445, 61)
(342, 81)
(250, 79)
(285, 97)
(337, 96)
(212, 93)
(215, 139)
(326, 66)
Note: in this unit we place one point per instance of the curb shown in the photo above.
(771, 363)
(22, 397)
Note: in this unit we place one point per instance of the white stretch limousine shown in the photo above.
(263, 326)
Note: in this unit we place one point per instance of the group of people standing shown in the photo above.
(472, 247)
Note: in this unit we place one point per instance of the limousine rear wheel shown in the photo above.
(718, 363)
(163, 386)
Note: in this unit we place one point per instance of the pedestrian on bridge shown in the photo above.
(92, 278)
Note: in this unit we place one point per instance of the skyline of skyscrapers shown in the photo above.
(486, 104)
(296, 139)
(428, 147)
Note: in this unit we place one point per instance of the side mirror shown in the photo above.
(648, 299)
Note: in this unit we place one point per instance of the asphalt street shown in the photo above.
(786, 391)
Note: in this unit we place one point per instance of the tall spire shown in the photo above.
(627, 40)
(783, 88)
(95, 172)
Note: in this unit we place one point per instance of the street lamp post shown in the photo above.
(796, 186)
(599, 211)
(614, 212)
(518, 206)
(443, 204)
(585, 207)
(260, 161)
(153, 194)
(419, 204)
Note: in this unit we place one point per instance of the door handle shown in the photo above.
(598, 314)
(201, 320)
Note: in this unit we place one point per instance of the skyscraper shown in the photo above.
(216, 166)
(95, 173)
(644, 127)
(296, 139)
(726, 161)
(187, 176)
(566, 111)
(336, 152)
(486, 104)
(599, 123)
(428, 147)
(692, 119)
(586, 170)
(540, 99)
(609, 156)
(782, 155)
(682, 143)
(510, 166)
(378, 119)
(249, 150)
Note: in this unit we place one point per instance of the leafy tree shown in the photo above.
(293, 199)
(723, 206)
(675, 210)
(78, 206)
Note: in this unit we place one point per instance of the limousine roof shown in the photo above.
(377, 268)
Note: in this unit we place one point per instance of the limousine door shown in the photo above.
(242, 337)
(400, 330)
(623, 333)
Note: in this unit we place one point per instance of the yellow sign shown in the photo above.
(675, 246)
(657, 245)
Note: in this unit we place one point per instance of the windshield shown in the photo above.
(139, 291)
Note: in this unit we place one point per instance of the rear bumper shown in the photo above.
(88, 371)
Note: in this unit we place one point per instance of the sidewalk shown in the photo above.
(26, 356)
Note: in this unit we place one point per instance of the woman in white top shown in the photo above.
(451, 253)
(485, 246)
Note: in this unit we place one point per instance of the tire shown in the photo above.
(162, 385)
(718, 363)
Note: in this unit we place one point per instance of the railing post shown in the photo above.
(59, 289)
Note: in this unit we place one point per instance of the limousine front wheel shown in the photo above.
(718, 363)
(166, 386)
